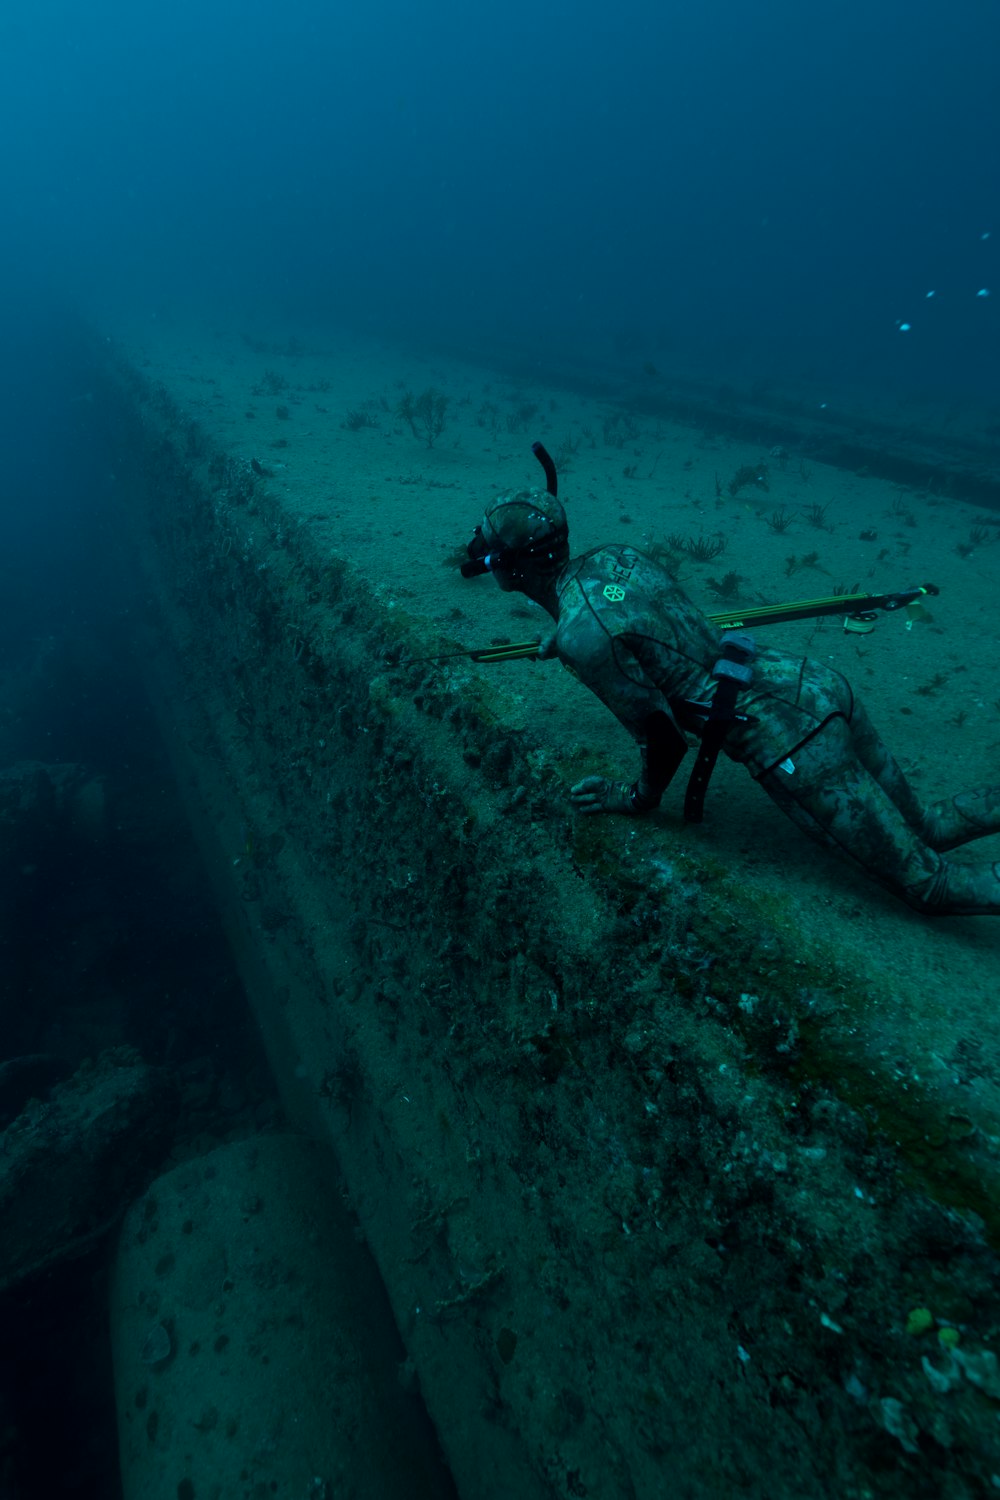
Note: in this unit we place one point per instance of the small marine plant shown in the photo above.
(936, 683)
(566, 452)
(705, 548)
(726, 587)
(815, 514)
(271, 384)
(620, 428)
(426, 414)
(978, 537)
(360, 416)
(779, 520)
(794, 564)
(667, 553)
(521, 416)
(747, 476)
(900, 511)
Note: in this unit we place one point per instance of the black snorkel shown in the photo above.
(545, 459)
(483, 561)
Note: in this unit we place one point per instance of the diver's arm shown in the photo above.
(609, 666)
(661, 750)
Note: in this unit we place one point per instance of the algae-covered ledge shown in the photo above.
(618, 1153)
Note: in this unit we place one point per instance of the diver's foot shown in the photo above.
(958, 820)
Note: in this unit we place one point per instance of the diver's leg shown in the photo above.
(832, 796)
(942, 825)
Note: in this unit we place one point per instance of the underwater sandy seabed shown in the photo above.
(321, 419)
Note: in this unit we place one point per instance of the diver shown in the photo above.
(627, 630)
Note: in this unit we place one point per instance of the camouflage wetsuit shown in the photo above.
(630, 633)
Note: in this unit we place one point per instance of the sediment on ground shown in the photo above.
(651, 1189)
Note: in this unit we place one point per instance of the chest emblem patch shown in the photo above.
(614, 592)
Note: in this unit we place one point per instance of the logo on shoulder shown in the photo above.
(621, 573)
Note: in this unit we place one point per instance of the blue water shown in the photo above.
(749, 190)
(745, 193)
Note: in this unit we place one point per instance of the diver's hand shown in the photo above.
(596, 794)
(546, 647)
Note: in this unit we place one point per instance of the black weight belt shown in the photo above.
(732, 672)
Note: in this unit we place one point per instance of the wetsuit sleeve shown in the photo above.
(608, 666)
(662, 747)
